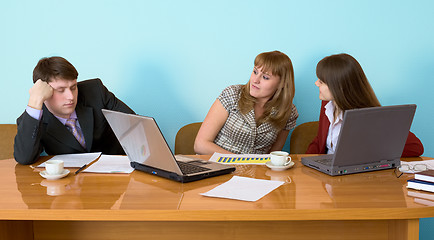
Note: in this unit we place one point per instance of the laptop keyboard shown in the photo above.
(188, 168)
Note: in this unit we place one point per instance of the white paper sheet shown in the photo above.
(429, 163)
(111, 164)
(75, 160)
(257, 159)
(243, 188)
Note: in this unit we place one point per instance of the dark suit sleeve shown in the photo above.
(27, 145)
(111, 102)
(413, 146)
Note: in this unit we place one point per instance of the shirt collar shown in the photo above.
(63, 120)
(329, 112)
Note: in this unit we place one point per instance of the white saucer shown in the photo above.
(279, 168)
(44, 174)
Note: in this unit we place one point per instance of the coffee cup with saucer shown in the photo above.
(54, 170)
(279, 161)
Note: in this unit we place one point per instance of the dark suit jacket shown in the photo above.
(413, 146)
(51, 136)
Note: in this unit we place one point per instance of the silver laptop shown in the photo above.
(148, 151)
(370, 139)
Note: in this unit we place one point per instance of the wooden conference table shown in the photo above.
(310, 205)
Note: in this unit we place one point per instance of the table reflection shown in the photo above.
(147, 191)
(82, 191)
(57, 187)
(375, 189)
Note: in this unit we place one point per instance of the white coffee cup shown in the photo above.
(54, 167)
(280, 158)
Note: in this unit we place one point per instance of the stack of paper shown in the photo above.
(111, 164)
(75, 160)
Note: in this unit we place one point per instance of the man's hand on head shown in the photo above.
(39, 92)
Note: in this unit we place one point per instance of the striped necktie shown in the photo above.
(72, 127)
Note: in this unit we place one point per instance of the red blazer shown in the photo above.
(413, 147)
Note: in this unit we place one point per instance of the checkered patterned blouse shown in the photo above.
(240, 134)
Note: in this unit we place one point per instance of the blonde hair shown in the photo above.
(279, 107)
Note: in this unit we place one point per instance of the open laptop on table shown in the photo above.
(370, 139)
(148, 151)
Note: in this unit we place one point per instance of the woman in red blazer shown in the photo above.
(342, 86)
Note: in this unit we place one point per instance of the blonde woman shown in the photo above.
(252, 118)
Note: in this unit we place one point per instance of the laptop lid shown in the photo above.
(148, 151)
(370, 139)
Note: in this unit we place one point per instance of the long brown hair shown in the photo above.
(278, 108)
(347, 82)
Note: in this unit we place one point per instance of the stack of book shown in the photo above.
(422, 198)
(422, 181)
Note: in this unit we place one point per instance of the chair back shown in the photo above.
(7, 136)
(302, 136)
(184, 140)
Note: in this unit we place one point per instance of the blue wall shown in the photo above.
(171, 59)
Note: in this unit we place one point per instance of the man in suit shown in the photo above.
(64, 116)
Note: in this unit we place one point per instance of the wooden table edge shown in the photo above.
(217, 215)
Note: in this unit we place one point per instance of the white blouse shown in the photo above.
(334, 128)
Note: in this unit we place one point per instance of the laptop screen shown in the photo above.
(142, 140)
(373, 134)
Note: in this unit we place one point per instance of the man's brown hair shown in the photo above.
(53, 67)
